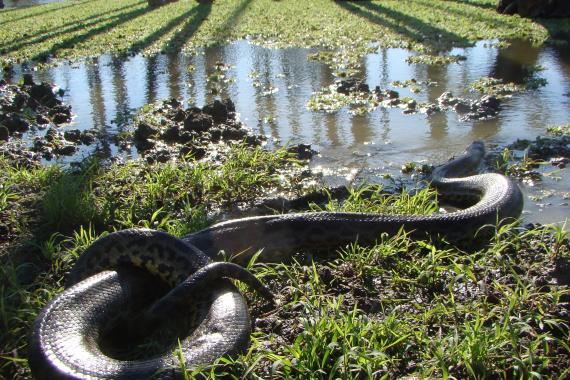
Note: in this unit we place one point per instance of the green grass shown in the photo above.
(400, 308)
(50, 214)
(414, 310)
(73, 29)
(403, 308)
(559, 130)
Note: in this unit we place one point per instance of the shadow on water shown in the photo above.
(95, 80)
(515, 63)
(407, 26)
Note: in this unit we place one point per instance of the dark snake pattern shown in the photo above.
(66, 338)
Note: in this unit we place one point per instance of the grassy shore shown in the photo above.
(401, 308)
(48, 215)
(81, 28)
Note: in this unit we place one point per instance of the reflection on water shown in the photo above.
(27, 3)
(270, 88)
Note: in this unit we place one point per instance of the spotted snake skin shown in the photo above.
(66, 338)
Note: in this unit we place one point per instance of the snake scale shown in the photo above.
(66, 339)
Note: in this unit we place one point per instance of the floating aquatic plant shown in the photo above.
(329, 100)
(429, 59)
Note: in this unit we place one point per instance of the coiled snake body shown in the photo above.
(66, 338)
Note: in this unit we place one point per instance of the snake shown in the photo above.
(67, 337)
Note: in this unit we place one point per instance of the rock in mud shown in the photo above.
(198, 120)
(350, 85)
(4, 133)
(220, 110)
(302, 151)
(19, 154)
(31, 105)
(166, 126)
(486, 107)
(447, 99)
(73, 135)
(15, 123)
(53, 144)
(385, 94)
(60, 114)
(42, 120)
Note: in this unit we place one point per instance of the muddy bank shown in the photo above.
(523, 158)
(166, 130)
(30, 105)
(35, 112)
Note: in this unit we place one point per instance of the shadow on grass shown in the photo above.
(558, 28)
(41, 12)
(469, 14)
(195, 17)
(69, 27)
(224, 30)
(409, 27)
(72, 41)
(474, 4)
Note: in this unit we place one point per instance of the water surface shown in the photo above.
(271, 87)
(27, 3)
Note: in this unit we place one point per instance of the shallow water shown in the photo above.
(271, 87)
(27, 3)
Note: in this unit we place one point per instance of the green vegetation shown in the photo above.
(522, 168)
(493, 86)
(413, 309)
(330, 100)
(559, 130)
(345, 58)
(400, 308)
(414, 85)
(529, 160)
(81, 28)
(49, 215)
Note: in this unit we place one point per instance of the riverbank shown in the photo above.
(401, 308)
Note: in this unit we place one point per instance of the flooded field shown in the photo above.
(271, 89)
(26, 3)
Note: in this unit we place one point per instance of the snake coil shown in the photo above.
(66, 339)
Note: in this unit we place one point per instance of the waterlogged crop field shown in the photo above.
(404, 308)
(82, 28)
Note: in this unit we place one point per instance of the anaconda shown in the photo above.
(66, 337)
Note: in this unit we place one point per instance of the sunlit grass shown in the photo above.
(482, 315)
(52, 214)
(86, 28)
(403, 307)
(407, 308)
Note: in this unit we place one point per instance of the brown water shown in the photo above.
(106, 92)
